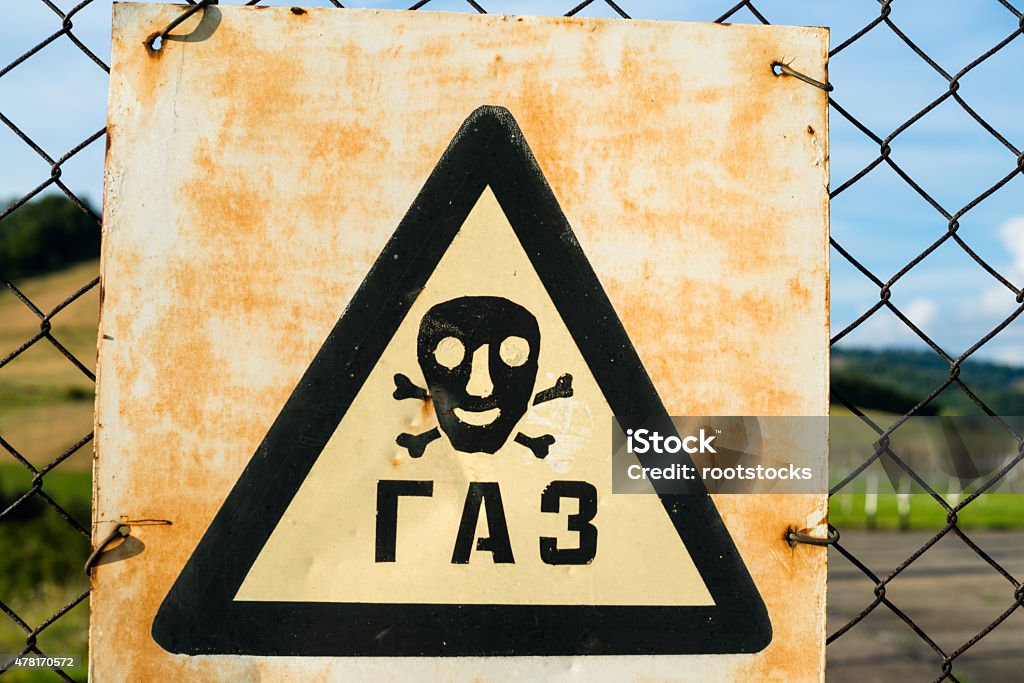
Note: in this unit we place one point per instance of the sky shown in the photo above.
(58, 98)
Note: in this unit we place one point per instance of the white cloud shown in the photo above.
(922, 312)
(990, 306)
(1012, 235)
(884, 329)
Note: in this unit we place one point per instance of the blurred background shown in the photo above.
(927, 261)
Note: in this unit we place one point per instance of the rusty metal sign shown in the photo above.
(376, 285)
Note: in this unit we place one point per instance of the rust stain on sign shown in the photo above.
(257, 172)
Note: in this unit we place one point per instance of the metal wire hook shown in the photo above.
(120, 531)
(151, 41)
(780, 69)
(795, 537)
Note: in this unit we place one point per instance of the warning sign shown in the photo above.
(468, 502)
(372, 306)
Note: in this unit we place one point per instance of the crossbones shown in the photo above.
(479, 358)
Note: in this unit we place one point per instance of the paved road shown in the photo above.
(949, 591)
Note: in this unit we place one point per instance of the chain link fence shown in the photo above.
(945, 219)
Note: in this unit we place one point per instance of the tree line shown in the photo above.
(46, 234)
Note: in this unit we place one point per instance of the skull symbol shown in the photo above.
(478, 355)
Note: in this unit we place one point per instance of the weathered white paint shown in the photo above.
(256, 170)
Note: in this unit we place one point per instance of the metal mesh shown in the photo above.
(947, 224)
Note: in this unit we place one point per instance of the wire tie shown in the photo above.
(780, 69)
(795, 537)
(161, 35)
(120, 531)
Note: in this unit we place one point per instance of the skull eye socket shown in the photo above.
(449, 352)
(514, 351)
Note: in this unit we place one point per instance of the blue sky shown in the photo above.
(58, 97)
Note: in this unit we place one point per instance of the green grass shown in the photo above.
(41, 557)
(851, 442)
(68, 635)
(988, 511)
(71, 489)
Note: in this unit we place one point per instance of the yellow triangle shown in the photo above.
(323, 549)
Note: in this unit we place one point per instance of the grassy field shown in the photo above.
(46, 403)
(41, 558)
(994, 511)
(851, 508)
(46, 406)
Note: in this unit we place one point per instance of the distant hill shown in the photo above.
(894, 380)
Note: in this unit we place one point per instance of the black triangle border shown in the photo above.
(199, 615)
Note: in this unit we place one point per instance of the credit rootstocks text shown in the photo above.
(644, 441)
